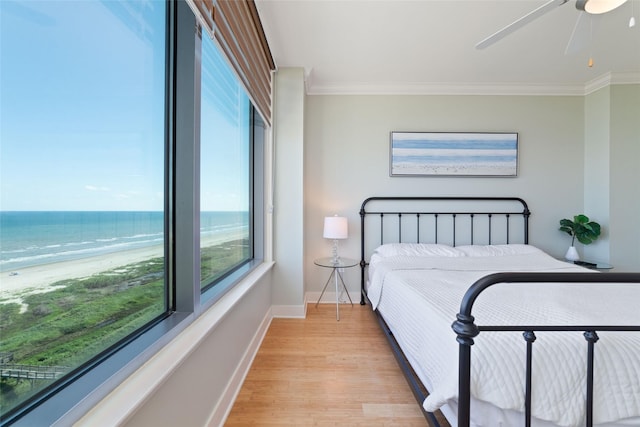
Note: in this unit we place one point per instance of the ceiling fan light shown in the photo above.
(596, 7)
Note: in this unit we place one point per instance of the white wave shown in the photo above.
(138, 236)
(76, 254)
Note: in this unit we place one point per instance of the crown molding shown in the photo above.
(498, 89)
(611, 79)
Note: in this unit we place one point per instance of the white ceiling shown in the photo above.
(428, 46)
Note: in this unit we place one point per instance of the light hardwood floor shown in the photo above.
(322, 372)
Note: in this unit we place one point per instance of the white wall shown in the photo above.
(612, 156)
(597, 171)
(288, 132)
(347, 160)
(625, 177)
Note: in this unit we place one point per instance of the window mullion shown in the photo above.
(187, 162)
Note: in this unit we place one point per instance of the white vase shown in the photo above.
(572, 254)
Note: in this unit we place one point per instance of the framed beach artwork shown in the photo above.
(454, 154)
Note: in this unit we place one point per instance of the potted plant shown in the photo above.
(582, 229)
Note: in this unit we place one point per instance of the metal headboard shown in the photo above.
(450, 220)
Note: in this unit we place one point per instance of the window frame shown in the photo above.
(68, 401)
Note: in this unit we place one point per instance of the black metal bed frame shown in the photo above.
(522, 209)
(466, 330)
(464, 325)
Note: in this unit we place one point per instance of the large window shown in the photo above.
(82, 173)
(103, 222)
(225, 168)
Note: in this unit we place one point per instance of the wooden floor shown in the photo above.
(321, 372)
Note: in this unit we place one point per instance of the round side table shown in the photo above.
(335, 266)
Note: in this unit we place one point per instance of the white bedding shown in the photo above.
(402, 282)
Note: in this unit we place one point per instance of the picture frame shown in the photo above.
(473, 154)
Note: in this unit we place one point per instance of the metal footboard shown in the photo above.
(467, 330)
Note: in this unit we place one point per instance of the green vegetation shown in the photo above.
(216, 261)
(67, 326)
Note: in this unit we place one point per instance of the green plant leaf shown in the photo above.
(566, 225)
(583, 239)
(581, 219)
(581, 228)
(567, 230)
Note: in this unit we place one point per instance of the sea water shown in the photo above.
(36, 237)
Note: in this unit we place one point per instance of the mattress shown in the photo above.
(418, 289)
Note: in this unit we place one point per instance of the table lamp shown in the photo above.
(336, 228)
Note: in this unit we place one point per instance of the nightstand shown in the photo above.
(592, 265)
(335, 274)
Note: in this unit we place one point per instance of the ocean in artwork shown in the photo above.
(31, 238)
(453, 154)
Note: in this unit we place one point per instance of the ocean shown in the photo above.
(38, 237)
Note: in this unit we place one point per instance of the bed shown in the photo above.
(554, 343)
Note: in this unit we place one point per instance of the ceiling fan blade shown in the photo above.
(583, 33)
(579, 35)
(516, 25)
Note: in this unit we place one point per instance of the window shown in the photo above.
(225, 169)
(82, 223)
(103, 222)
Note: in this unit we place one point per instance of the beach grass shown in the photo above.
(82, 317)
(217, 260)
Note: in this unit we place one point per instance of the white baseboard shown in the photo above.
(294, 311)
(225, 404)
(330, 297)
(300, 311)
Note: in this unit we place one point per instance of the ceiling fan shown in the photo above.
(593, 7)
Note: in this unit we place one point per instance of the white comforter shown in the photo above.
(402, 286)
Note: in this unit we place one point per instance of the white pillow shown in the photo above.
(417, 249)
(498, 250)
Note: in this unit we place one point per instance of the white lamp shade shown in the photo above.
(335, 227)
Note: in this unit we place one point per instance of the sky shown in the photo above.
(224, 137)
(82, 106)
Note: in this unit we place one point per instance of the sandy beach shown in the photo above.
(39, 278)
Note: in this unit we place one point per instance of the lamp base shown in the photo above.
(334, 252)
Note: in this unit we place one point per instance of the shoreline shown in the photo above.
(39, 278)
